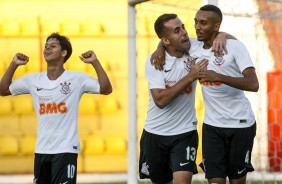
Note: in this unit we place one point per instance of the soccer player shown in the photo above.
(169, 142)
(56, 94)
(229, 123)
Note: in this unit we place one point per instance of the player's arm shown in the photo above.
(19, 59)
(103, 79)
(162, 97)
(158, 57)
(249, 81)
(219, 44)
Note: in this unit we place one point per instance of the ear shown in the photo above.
(216, 27)
(64, 53)
(165, 41)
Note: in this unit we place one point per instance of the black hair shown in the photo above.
(213, 9)
(159, 23)
(64, 42)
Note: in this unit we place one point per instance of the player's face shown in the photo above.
(177, 35)
(53, 50)
(205, 26)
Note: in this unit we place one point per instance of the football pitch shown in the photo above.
(202, 182)
(199, 182)
(193, 182)
(121, 178)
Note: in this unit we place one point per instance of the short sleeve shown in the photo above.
(155, 77)
(21, 85)
(91, 85)
(242, 55)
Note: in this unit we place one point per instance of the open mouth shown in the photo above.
(46, 54)
(186, 41)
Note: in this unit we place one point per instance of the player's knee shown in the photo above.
(217, 181)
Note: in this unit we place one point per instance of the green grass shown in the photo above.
(193, 182)
(201, 182)
(257, 181)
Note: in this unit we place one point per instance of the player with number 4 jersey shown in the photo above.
(229, 126)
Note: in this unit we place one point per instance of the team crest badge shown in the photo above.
(219, 60)
(65, 87)
(188, 63)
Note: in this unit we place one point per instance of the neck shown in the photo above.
(208, 43)
(175, 53)
(54, 72)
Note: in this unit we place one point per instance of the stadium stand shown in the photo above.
(29, 27)
(108, 104)
(71, 27)
(28, 124)
(88, 124)
(9, 145)
(23, 104)
(95, 145)
(10, 28)
(48, 26)
(9, 125)
(5, 106)
(27, 145)
(91, 27)
(88, 104)
(115, 145)
(75, 64)
(2, 67)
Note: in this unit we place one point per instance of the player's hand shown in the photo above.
(203, 64)
(158, 58)
(195, 68)
(89, 57)
(208, 76)
(20, 59)
(219, 44)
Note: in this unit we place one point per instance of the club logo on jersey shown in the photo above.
(219, 60)
(144, 169)
(188, 63)
(65, 87)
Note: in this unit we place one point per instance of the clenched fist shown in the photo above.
(88, 57)
(20, 59)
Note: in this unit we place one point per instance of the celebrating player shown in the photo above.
(56, 94)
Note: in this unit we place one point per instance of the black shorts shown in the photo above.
(161, 156)
(227, 151)
(55, 168)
